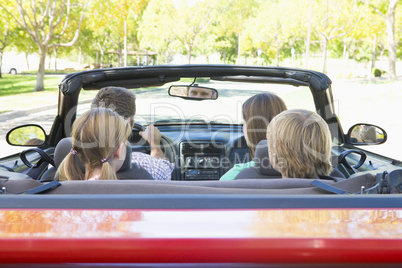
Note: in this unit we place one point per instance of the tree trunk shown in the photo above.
(344, 57)
(324, 55)
(390, 21)
(120, 58)
(4, 44)
(189, 55)
(1, 62)
(277, 57)
(40, 78)
(50, 60)
(55, 58)
(344, 50)
(80, 55)
(373, 55)
(26, 58)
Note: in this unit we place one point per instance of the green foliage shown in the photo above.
(377, 72)
(204, 27)
(336, 49)
(227, 48)
(363, 53)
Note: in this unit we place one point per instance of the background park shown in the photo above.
(355, 42)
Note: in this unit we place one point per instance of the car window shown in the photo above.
(154, 105)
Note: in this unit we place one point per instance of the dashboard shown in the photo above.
(201, 151)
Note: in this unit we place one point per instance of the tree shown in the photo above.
(109, 34)
(5, 34)
(368, 28)
(181, 24)
(387, 9)
(330, 22)
(192, 20)
(21, 42)
(279, 32)
(229, 29)
(155, 30)
(49, 24)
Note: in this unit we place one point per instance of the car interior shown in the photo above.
(202, 151)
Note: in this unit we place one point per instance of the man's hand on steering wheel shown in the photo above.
(153, 136)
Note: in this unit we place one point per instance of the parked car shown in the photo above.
(7, 69)
(195, 220)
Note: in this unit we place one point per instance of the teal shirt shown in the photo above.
(232, 173)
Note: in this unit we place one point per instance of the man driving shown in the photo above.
(122, 101)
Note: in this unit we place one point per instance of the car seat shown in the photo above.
(264, 170)
(128, 171)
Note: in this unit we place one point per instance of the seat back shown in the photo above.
(237, 187)
(263, 168)
(128, 170)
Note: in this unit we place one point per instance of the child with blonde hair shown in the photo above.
(99, 138)
(299, 144)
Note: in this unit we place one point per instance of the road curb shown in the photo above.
(14, 114)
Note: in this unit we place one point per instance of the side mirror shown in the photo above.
(193, 92)
(26, 135)
(366, 134)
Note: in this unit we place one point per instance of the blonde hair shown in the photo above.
(299, 144)
(258, 111)
(96, 135)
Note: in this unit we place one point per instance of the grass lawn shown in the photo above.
(16, 92)
(25, 84)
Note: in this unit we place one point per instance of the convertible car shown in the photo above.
(196, 220)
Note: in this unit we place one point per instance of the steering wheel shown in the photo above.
(141, 144)
(136, 137)
(351, 169)
(44, 157)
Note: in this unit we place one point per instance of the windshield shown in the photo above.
(154, 105)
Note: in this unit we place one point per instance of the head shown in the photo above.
(299, 144)
(201, 93)
(119, 99)
(368, 134)
(258, 111)
(99, 139)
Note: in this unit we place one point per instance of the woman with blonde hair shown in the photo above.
(258, 111)
(299, 143)
(99, 138)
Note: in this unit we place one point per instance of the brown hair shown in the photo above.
(119, 99)
(258, 111)
(96, 135)
(299, 144)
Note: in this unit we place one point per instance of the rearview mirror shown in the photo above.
(366, 134)
(26, 135)
(193, 92)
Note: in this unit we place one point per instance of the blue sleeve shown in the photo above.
(232, 173)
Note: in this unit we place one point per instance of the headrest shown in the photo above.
(64, 146)
(261, 159)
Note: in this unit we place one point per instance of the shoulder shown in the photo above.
(136, 155)
(242, 166)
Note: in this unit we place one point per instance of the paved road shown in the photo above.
(380, 111)
(43, 116)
